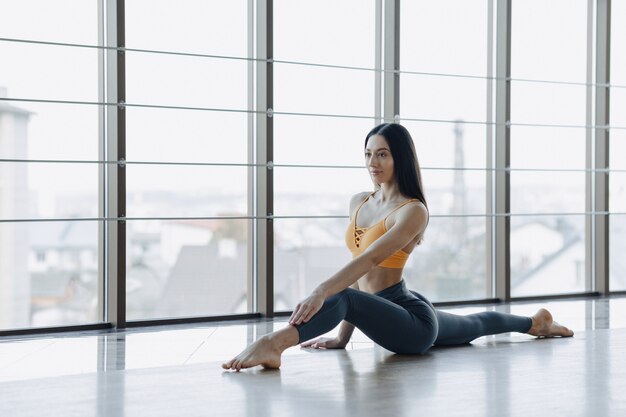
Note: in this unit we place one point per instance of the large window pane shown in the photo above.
(325, 32)
(617, 143)
(538, 147)
(193, 191)
(547, 192)
(180, 268)
(317, 191)
(421, 22)
(70, 21)
(547, 255)
(617, 248)
(438, 98)
(451, 262)
(312, 141)
(547, 252)
(617, 192)
(551, 104)
(48, 190)
(48, 274)
(186, 268)
(305, 89)
(49, 271)
(70, 73)
(207, 82)
(159, 135)
(548, 40)
(211, 27)
(306, 253)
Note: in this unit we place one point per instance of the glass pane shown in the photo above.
(449, 145)
(317, 191)
(70, 73)
(324, 30)
(186, 268)
(617, 145)
(48, 131)
(617, 248)
(305, 89)
(451, 262)
(48, 190)
(618, 47)
(69, 21)
(537, 147)
(186, 136)
(48, 274)
(312, 141)
(423, 21)
(192, 191)
(186, 81)
(617, 192)
(306, 253)
(438, 98)
(618, 108)
(455, 192)
(547, 255)
(199, 26)
(548, 40)
(547, 192)
(553, 104)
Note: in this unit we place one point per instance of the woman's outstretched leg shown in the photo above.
(457, 330)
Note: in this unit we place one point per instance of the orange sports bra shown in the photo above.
(358, 239)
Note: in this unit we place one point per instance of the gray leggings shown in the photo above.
(405, 322)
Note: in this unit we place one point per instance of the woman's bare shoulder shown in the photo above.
(357, 199)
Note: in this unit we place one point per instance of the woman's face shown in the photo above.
(378, 160)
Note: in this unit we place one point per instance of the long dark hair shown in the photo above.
(406, 166)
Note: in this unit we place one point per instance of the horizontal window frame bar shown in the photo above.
(308, 64)
(271, 166)
(192, 319)
(53, 329)
(272, 113)
(286, 217)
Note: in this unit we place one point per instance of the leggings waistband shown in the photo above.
(393, 291)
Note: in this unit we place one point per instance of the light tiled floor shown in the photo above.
(174, 370)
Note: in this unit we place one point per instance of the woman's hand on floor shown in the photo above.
(325, 343)
(307, 308)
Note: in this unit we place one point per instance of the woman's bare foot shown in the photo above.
(544, 326)
(266, 351)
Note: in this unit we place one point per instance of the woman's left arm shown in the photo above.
(410, 221)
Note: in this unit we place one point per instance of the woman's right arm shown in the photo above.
(345, 329)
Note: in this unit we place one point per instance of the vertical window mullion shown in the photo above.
(265, 185)
(502, 152)
(116, 186)
(601, 188)
(391, 36)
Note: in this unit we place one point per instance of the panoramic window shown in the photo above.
(49, 273)
(187, 159)
(548, 184)
(443, 103)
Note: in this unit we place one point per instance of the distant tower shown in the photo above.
(14, 246)
(459, 198)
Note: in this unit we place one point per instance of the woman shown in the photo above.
(369, 292)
